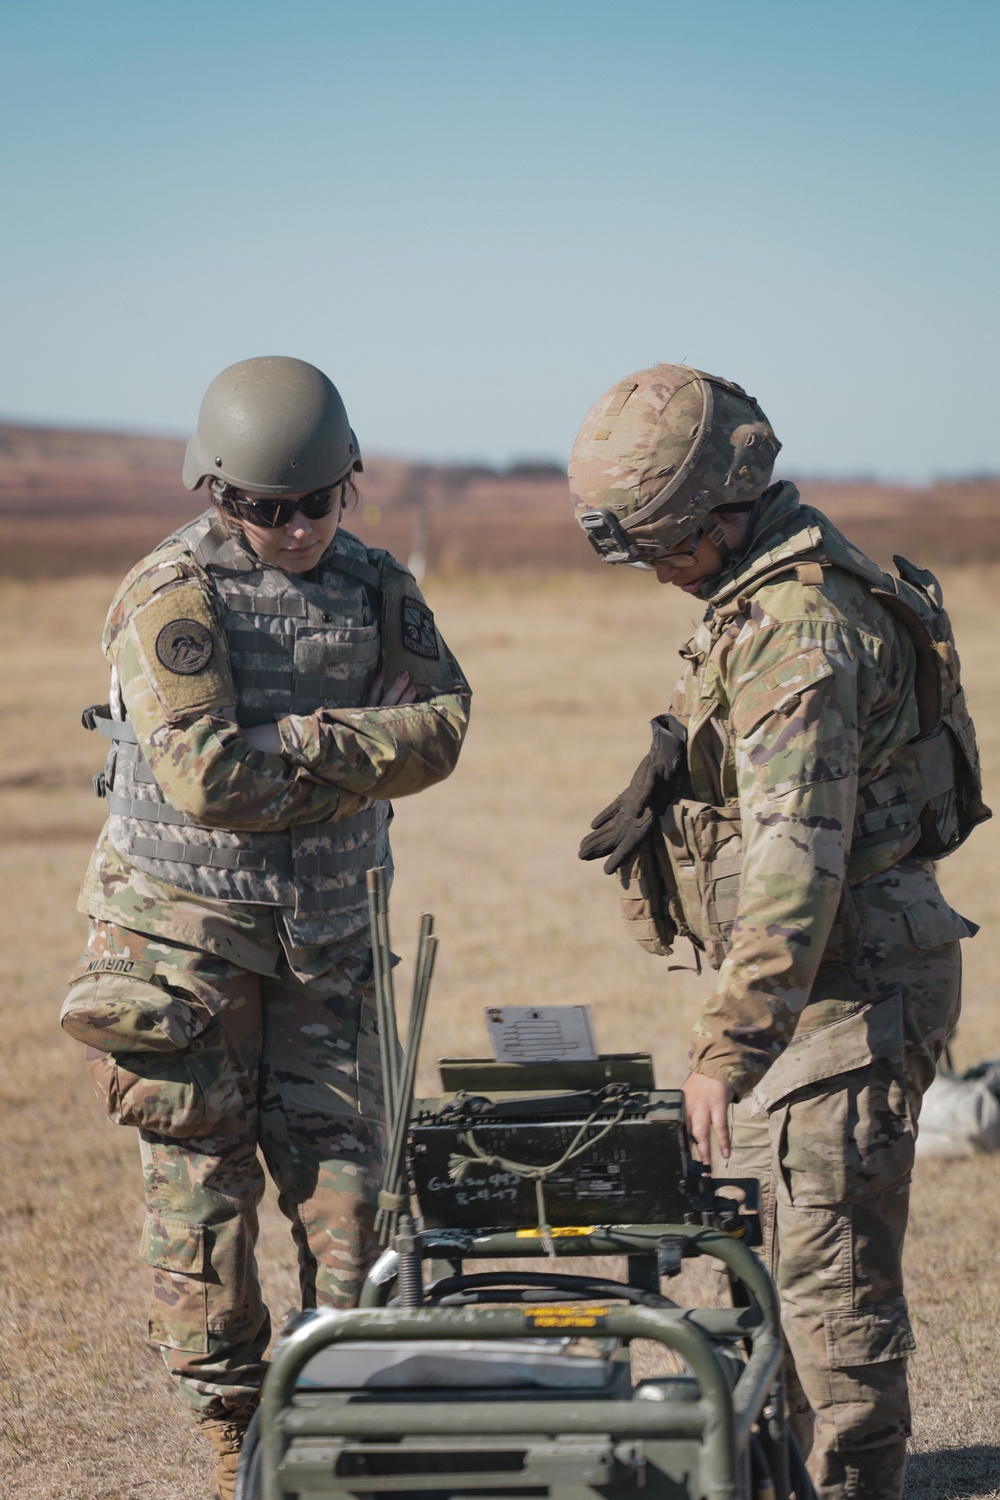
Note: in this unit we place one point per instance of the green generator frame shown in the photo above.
(715, 1432)
(448, 1383)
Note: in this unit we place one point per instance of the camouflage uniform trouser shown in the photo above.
(830, 1133)
(289, 1067)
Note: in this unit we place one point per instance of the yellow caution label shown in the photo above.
(566, 1232)
(566, 1319)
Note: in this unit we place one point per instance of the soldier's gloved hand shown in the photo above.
(620, 829)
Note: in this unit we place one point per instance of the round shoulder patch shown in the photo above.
(185, 646)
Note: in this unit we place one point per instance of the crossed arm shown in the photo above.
(266, 737)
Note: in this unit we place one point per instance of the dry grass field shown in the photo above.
(567, 672)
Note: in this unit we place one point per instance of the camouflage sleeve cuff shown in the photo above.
(739, 1071)
(379, 752)
(300, 740)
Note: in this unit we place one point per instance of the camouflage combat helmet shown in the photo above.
(658, 452)
(274, 426)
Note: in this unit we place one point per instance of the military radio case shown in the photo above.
(603, 1151)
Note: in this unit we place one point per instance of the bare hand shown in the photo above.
(401, 691)
(264, 737)
(706, 1108)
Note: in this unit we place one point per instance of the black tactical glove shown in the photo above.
(620, 829)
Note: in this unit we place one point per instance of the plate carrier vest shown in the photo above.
(290, 654)
(925, 801)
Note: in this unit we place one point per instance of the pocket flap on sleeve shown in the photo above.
(173, 1245)
(776, 688)
(869, 1336)
(875, 1031)
(934, 923)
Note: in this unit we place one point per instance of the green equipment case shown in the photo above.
(516, 1383)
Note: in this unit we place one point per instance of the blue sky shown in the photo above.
(476, 216)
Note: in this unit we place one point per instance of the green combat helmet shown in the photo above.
(658, 452)
(274, 426)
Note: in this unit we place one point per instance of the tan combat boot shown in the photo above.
(226, 1436)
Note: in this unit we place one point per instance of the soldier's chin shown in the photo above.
(299, 557)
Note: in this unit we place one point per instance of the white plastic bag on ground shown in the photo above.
(961, 1114)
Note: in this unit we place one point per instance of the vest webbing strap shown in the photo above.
(215, 540)
(881, 819)
(886, 787)
(265, 604)
(739, 604)
(144, 808)
(117, 729)
(130, 755)
(285, 677)
(334, 863)
(255, 640)
(210, 855)
(336, 899)
(263, 677)
(213, 543)
(362, 571)
(935, 763)
(352, 830)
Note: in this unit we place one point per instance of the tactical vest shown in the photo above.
(296, 645)
(925, 801)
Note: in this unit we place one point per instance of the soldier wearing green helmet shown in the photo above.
(275, 426)
(815, 760)
(274, 683)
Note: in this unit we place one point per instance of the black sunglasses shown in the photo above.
(274, 513)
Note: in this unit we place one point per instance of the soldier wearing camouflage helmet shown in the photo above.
(274, 682)
(816, 759)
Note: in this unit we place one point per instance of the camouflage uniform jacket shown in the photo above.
(797, 694)
(214, 842)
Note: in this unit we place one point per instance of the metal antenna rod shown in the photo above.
(381, 1009)
(393, 1185)
(388, 991)
(426, 929)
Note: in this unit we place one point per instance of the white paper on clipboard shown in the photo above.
(541, 1033)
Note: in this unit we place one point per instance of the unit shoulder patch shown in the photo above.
(417, 628)
(182, 651)
(185, 646)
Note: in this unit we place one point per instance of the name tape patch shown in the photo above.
(185, 647)
(95, 965)
(111, 965)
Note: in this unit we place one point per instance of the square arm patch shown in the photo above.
(417, 628)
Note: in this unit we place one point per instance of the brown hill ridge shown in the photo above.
(76, 502)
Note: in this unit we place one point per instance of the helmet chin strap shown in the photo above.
(716, 534)
(727, 552)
